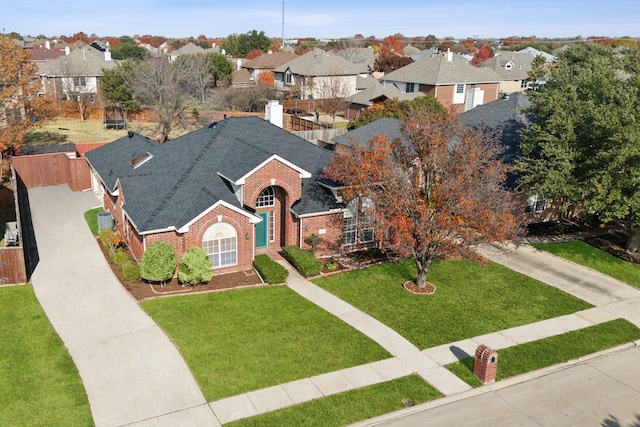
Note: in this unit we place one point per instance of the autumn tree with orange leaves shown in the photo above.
(20, 106)
(484, 53)
(436, 193)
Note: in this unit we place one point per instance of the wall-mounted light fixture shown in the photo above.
(306, 227)
(246, 236)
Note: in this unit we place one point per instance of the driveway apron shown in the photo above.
(132, 372)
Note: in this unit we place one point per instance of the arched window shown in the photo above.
(266, 198)
(220, 242)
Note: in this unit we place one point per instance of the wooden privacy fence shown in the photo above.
(12, 267)
(42, 170)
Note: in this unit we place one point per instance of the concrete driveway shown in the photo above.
(132, 372)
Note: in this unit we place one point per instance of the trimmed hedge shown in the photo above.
(271, 271)
(130, 271)
(304, 261)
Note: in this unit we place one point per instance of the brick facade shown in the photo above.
(288, 187)
(287, 184)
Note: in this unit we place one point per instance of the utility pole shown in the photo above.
(282, 44)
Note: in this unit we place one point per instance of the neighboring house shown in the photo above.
(513, 68)
(76, 74)
(319, 75)
(456, 84)
(387, 126)
(44, 50)
(371, 91)
(508, 118)
(189, 49)
(505, 116)
(266, 63)
(234, 188)
(535, 52)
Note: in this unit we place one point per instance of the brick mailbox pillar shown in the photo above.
(485, 366)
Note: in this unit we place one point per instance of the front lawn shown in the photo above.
(470, 300)
(247, 339)
(349, 407)
(585, 254)
(39, 381)
(539, 354)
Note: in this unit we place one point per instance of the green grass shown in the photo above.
(348, 407)
(470, 300)
(39, 384)
(248, 339)
(585, 254)
(539, 354)
(91, 216)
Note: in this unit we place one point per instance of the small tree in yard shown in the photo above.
(194, 267)
(158, 262)
(436, 193)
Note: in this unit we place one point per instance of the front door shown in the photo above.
(262, 229)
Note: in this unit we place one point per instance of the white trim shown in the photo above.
(303, 173)
(254, 219)
(329, 212)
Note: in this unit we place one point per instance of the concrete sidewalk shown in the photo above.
(614, 296)
(134, 375)
(429, 363)
(131, 371)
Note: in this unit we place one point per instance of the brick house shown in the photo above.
(234, 188)
(456, 84)
(505, 116)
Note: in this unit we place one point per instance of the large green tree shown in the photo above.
(584, 144)
(398, 110)
(240, 44)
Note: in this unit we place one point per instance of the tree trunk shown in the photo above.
(422, 265)
(633, 242)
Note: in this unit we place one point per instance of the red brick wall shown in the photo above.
(331, 224)
(182, 242)
(277, 174)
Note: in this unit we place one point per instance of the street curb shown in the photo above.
(443, 401)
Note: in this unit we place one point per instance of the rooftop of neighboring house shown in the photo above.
(442, 69)
(320, 63)
(510, 65)
(269, 61)
(384, 126)
(535, 52)
(371, 89)
(176, 181)
(81, 61)
(506, 115)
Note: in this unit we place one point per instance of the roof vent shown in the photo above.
(140, 160)
(130, 134)
(212, 125)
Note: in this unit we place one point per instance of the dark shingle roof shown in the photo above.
(383, 126)
(506, 115)
(187, 175)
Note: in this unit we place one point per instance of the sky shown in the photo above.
(324, 19)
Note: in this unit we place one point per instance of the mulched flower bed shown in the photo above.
(411, 286)
(141, 290)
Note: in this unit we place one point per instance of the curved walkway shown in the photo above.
(132, 372)
(134, 375)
